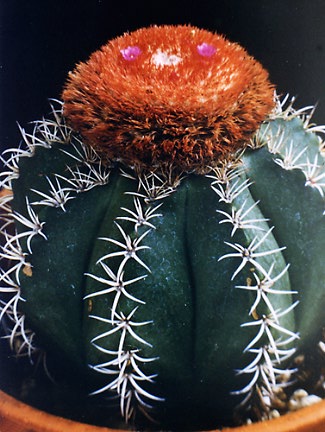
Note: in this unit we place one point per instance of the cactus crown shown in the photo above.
(168, 95)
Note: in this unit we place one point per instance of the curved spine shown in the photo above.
(126, 363)
(266, 350)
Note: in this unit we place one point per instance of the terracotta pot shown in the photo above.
(16, 416)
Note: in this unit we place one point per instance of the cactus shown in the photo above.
(164, 232)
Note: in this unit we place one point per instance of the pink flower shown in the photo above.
(206, 50)
(130, 53)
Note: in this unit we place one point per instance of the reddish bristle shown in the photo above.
(168, 95)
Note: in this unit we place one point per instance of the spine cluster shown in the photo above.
(125, 363)
(85, 172)
(267, 351)
(272, 345)
(291, 154)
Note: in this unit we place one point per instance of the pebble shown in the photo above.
(301, 399)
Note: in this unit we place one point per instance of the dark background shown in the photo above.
(41, 40)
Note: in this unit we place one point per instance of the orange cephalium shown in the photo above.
(168, 95)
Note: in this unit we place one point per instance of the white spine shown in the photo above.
(126, 365)
(268, 352)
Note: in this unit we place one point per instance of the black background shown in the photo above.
(42, 40)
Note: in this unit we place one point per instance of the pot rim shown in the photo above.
(16, 416)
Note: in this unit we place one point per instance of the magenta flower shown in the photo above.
(206, 50)
(130, 53)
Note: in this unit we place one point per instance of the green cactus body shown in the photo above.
(178, 294)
